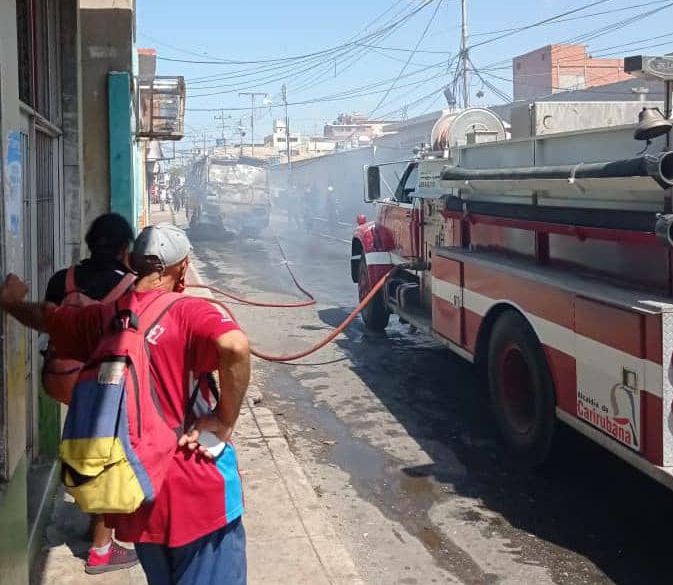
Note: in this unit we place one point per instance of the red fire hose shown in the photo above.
(311, 301)
(295, 356)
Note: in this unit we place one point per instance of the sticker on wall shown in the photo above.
(13, 183)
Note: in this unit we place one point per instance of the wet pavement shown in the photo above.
(396, 437)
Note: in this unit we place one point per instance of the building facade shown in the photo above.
(557, 68)
(353, 130)
(277, 140)
(68, 153)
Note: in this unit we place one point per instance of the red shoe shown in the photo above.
(116, 558)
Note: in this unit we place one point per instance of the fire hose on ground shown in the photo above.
(311, 301)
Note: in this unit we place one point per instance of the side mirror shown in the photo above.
(373, 191)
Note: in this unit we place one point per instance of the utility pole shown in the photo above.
(242, 133)
(287, 130)
(204, 143)
(253, 95)
(465, 55)
(222, 118)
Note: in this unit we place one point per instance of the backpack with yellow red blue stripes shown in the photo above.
(116, 445)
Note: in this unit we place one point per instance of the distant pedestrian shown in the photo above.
(294, 207)
(308, 205)
(108, 240)
(192, 534)
(331, 209)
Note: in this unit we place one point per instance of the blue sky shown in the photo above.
(217, 30)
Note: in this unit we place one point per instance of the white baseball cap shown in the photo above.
(159, 246)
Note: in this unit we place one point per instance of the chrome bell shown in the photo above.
(651, 123)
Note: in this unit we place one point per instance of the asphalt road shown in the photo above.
(395, 434)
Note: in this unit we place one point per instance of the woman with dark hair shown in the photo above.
(108, 240)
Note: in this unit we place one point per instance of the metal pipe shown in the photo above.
(657, 166)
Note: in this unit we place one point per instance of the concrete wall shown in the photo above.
(71, 79)
(107, 31)
(572, 62)
(96, 37)
(13, 514)
(532, 74)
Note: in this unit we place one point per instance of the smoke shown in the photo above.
(325, 195)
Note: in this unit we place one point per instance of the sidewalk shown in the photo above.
(290, 538)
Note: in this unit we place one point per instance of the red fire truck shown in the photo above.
(545, 265)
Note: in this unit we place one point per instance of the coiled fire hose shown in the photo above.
(293, 356)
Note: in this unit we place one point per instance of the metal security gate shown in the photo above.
(45, 218)
(40, 103)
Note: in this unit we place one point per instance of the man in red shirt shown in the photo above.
(192, 533)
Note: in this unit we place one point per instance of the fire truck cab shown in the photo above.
(547, 261)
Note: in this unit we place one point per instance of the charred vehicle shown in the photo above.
(228, 196)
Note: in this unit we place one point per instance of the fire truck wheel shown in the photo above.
(521, 388)
(375, 315)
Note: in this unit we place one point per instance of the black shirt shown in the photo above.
(94, 279)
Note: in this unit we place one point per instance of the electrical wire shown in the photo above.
(503, 96)
(300, 68)
(322, 52)
(572, 18)
(345, 94)
(537, 23)
(411, 55)
(590, 35)
(239, 62)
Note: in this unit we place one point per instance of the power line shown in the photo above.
(538, 23)
(595, 33)
(374, 84)
(306, 55)
(282, 73)
(573, 18)
(228, 61)
(411, 55)
(503, 96)
(345, 95)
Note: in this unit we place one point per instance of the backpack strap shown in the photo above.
(189, 409)
(209, 379)
(156, 309)
(120, 288)
(70, 284)
(149, 317)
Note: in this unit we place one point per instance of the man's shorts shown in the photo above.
(216, 558)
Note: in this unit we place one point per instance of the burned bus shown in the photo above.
(228, 196)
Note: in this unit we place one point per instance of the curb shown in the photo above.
(330, 551)
(334, 558)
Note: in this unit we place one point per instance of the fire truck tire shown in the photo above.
(375, 315)
(521, 389)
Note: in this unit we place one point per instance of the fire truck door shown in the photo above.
(401, 219)
(447, 298)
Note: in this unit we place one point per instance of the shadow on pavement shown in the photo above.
(583, 500)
